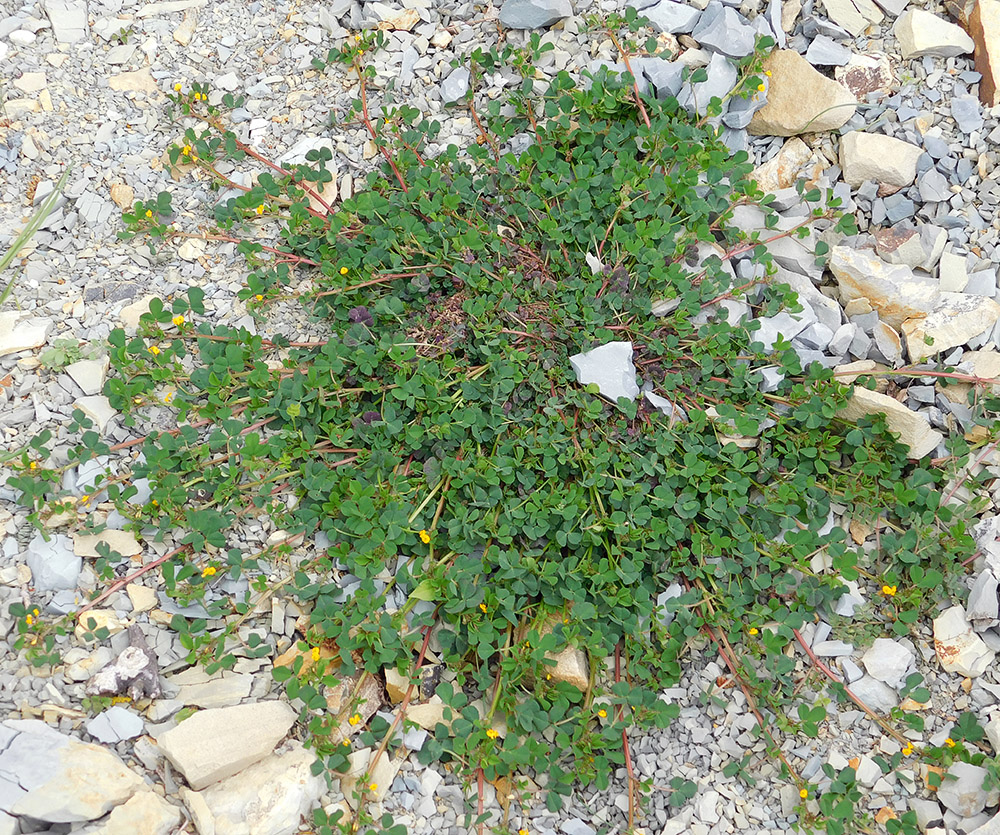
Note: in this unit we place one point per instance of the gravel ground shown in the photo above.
(91, 97)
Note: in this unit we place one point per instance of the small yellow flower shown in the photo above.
(522, 832)
(803, 793)
(565, 620)
(889, 591)
(168, 398)
(907, 749)
(315, 653)
(153, 350)
(492, 733)
(761, 88)
(767, 73)
(194, 157)
(483, 607)
(753, 630)
(33, 465)
(373, 787)
(950, 742)
(178, 320)
(35, 612)
(209, 571)
(355, 719)
(155, 503)
(149, 212)
(259, 210)
(259, 297)
(84, 499)
(186, 150)
(425, 537)
(177, 87)
(346, 743)
(28, 619)
(119, 700)
(548, 676)
(602, 713)
(343, 271)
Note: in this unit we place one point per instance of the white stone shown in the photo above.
(853, 15)
(25, 336)
(268, 798)
(145, 813)
(59, 779)
(954, 320)
(218, 691)
(888, 661)
(875, 694)
(894, 290)
(961, 790)
(130, 314)
(874, 156)
(69, 19)
(97, 407)
(30, 82)
(958, 647)
(115, 724)
(191, 250)
(89, 375)
(952, 272)
(381, 776)
(610, 368)
(911, 428)
(868, 773)
(215, 744)
(921, 33)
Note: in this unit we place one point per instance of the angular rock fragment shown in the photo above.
(954, 320)
(610, 367)
(135, 671)
(959, 648)
(983, 603)
(888, 661)
(984, 26)
(961, 790)
(854, 15)
(894, 291)
(800, 99)
(533, 14)
(215, 744)
(872, 156)
(912, 428)
(921, 33)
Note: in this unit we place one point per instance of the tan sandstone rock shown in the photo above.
(800, 99)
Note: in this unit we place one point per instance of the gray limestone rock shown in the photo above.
(982, 609)
(888, 661)
(533, 14)
(722, 30)
(673, 17)
(455, 85)
(961, 789)
(826, 52)
(69, 19)
(876, 694)
(115, 724)
(53, 564)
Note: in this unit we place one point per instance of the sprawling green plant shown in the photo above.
(486, 506)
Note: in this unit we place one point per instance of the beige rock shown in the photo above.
(66, 781)
(795, 161)
(124, 542)
(952, 272)
(145, 813)
(123, 195)
(893, 290)
(853, 15)
(986, 365)
(221, 690)
(954, 320)
(441, 39)
(800, 99)
(94, 619)
(215, 744)
(89, 375)
(571, 667)
(191, 250)
(874, 156)
(428, 714)
(889, 344)
(139, 81)
(143, 597)
(984, 26)
(912, 428)
(850, 371)
(402, 22)
(921, 33)
(130, 314)
(30, 82)
(858, 307)
(958, 647)
(270, 796)
(184, 32)
(23, 336)
(379, 780)
(789, 14)
(16, 108)
(395, 685)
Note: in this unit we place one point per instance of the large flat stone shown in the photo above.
(853, 15)
(954, 320)
(894, 290)
(874, 156)
(800, 99)
(215, 744)
(959, 649)
(60, 779)
(921, 33)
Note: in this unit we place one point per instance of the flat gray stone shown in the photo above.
(876, 694)
(722, 30)
(455, 85)
(826, 52)
(982, 608)
(888, 661)
(68, 18)
(115, 725)
(53, 564)
(533, 14)
(673, 17)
